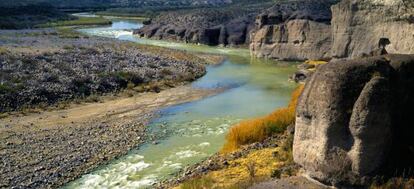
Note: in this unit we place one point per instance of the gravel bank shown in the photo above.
(47, 149)
(42, 68)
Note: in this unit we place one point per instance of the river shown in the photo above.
(194, 130)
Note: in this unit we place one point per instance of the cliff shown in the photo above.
(295, 30)
(227, 25)
(314, 30)
(358, 26)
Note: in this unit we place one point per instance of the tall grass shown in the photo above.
(256, 130)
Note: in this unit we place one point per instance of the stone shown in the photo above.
(359, 25)
(297, 30)
(353, 119)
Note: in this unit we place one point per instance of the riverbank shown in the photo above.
(52, 66)
(62, 134)
(49, 149)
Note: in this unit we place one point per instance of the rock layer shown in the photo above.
(295, 30)
(353, 120)
(305, 30)
(210, 27)
(358, 26)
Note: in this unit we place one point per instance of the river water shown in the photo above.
(195, 130)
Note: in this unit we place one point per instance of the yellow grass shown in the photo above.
(256, 130)
(315, 62)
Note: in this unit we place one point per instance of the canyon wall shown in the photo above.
(301, 30)
(296, 30)
(204, 26)
(358, 26)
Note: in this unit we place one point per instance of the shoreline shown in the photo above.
(53, 146)
(83, 137)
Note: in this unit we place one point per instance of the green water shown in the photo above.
(195, 130)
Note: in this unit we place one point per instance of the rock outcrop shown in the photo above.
(226, 26)
(304, 29)
(359, 25)
(210, 27)
(296, 30)
(354, 120)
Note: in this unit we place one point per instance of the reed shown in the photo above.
(257, 130)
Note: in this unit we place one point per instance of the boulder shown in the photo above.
(353, 120)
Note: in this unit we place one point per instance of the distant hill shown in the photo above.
(114, 3)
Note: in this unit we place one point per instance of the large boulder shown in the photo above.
(353, 120)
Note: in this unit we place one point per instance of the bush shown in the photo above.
(256, 130)
(200, 183)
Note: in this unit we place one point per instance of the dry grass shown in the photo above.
(199, 183)
(256, 130)
(394, 183)
(315, 62)
(179, 55)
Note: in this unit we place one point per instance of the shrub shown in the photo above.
(256, 130)
(200, 183)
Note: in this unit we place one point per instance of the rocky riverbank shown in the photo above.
(105, 91)
(226, 26)
(230, 169)
(49, 149)
(41, 68)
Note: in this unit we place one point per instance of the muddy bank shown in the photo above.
(49, 149)
(42, 68)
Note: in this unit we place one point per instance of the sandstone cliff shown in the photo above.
(304, 30)
(358, 26)
(354, 120)
(295, 30)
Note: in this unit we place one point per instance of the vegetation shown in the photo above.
(257, 130)
(260, 164)
(29, 16)
(81, 21)
(256, 166)
(394, 183)
(67, 32)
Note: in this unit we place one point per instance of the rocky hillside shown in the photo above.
(353, 121)
(115, 3)
(29, 16)
(305, 30)
(229, 25)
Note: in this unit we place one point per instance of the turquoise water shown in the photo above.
(195, 130)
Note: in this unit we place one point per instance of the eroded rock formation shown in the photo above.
(296, 30)
(354, 120)
(304, 30)
(358, 26)
(204, 26)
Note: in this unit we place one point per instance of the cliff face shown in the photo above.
(205, 26)
(227, 25)
(358, 26)
(295, 30)
(304, 30)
